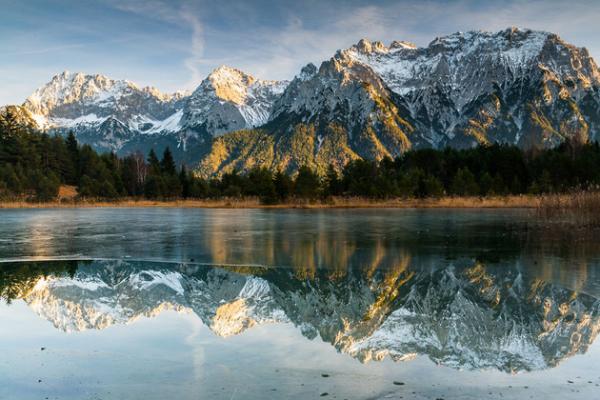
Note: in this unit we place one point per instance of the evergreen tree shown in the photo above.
(154, 187)
(260, 183)
(307, 183)
(46, 186)
(464, 183)
(485, 183)
(333, 184)
(72, 175)
(131, 176)
(199, 188)
(185, 182)
(34, 165)
(409, 184)
(154, 166)
(498, 186)
(167, 164)
(432, 186)
(283, 185)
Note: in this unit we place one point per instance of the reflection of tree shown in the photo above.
(312, 241)
(18, 279)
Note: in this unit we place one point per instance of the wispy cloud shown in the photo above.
(181, 14)
(315, 37)
(193, 62)
(174, 44)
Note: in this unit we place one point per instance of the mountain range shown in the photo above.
(521, 87)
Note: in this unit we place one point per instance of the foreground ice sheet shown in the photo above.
(378, 304)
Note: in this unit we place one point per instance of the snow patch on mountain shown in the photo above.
(146, 125)
(516, 86)
(68, 88)
(84, 120)
(407, 68)
(229, 99)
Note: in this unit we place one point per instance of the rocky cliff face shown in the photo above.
(516, 86)
(469, 316)
(119, 116)
(77, 97)
(228, 100)
(521, 87)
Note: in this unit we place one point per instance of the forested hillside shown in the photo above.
(34, 165)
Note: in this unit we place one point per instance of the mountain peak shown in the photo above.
(307, 72)
(462, 89)
(227, 73)
(509, 37)
(63, 75)
(366, 46)
(68, 88)
(230, 99)
(229, 84)
(401, 44)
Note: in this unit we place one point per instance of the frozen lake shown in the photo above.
(255, 304)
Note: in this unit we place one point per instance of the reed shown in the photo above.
(580, 209)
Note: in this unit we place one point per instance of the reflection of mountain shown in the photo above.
(465, 316)
(107, 293)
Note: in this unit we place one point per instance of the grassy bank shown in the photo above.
(578, 210)
(336, 202)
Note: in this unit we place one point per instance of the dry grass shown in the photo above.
(579, 209)
(127, 203)
(337, 202)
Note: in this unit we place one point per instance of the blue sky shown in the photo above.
(174, 44)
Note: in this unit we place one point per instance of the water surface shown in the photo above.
(253, 304)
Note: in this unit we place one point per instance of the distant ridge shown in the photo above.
(516, 86)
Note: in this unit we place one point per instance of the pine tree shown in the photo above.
(498, 186)
(185, 182)
(333, 184)
(432, 186)
(73, 153)
(464, 183)
(167, 163)
(485, 183)
(153, 163)
(283, 185)
(307, 183)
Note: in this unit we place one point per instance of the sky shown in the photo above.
(174, 44)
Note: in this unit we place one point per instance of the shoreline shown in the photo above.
(499, 202)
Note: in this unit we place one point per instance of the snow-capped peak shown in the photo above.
(401, 44)
(75, 87)
(406, 68)
(369, 48)
(233, 85)
(229, 99)
(230, 84)
(67, 87)
(90, 105)
(366, 46)
(463, 89)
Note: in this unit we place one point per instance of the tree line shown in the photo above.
(34, 165)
